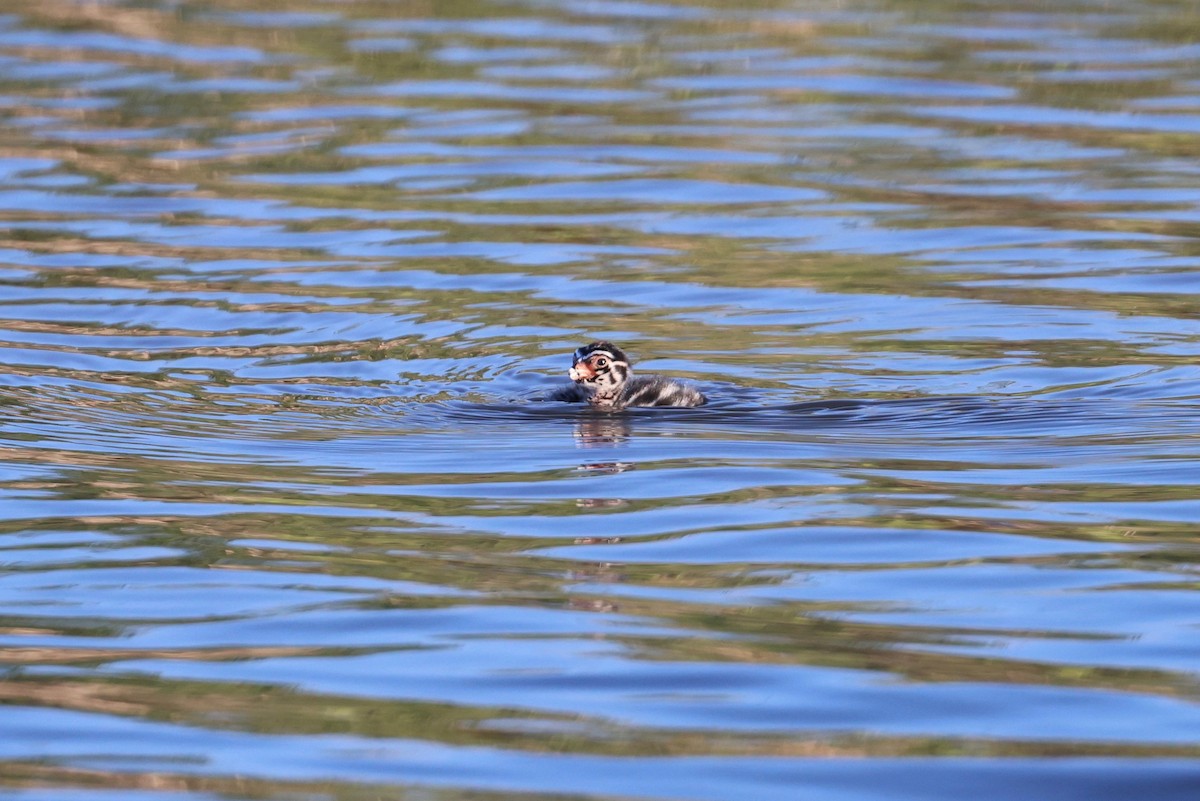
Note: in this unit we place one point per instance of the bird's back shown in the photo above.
(570, 393)
(657, 390)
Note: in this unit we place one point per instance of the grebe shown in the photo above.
(602, 378)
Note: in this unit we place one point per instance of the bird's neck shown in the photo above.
(605, 395)
(605, 398)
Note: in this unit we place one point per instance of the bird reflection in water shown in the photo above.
(597, 431)
(594, 430)
(598, 573)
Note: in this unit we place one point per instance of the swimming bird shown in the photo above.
(601, 375)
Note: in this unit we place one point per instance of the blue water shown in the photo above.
(284, 512)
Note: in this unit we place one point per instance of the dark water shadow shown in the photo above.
(922, 417)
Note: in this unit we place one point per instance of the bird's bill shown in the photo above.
(582, 371)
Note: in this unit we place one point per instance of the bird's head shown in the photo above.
(600, 369)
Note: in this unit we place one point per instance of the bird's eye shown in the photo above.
(601, 361)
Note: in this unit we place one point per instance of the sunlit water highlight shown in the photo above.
(284, 510)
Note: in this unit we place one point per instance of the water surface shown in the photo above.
(283, 513)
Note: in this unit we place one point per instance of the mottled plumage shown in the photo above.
(603, 379)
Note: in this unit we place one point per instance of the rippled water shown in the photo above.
(282, 512)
